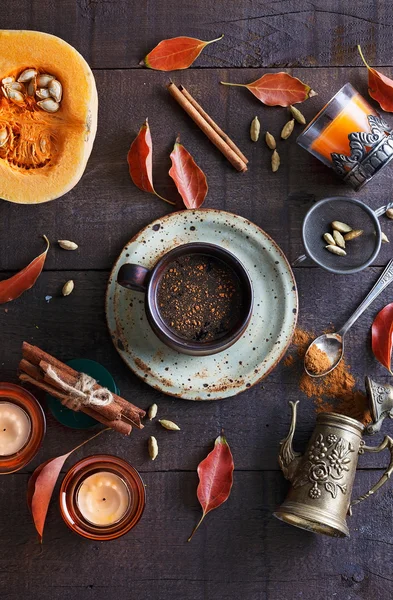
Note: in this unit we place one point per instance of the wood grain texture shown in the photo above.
(105, 210)
(119, 33)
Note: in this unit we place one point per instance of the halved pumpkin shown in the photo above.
(48, 116)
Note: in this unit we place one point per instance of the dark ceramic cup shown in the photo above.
(141, 279)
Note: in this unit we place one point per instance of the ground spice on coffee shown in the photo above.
(200, 297)
(333, 392)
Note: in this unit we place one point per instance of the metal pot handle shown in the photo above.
(386, 443)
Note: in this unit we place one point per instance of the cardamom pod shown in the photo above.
(152, 411)
(341, 227)
(355, 233)
(336, 250)
(67, 288)
(338, 238)
(169, 425)
(275, 161)
(287, 129)
(270, 141)
(384, 238)
(295, 112)
(153, 447)
(389, 213)
(67, 245)
(329, 239)
(255, 129)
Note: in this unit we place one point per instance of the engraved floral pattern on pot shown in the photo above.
(328, 459)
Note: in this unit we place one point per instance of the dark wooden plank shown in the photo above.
(254, 421)
(105, 210)
(118, 33)
(240, 550)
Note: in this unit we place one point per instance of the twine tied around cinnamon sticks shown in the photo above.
(77, 390)
(82, 393)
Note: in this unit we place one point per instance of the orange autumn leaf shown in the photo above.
(382, 336)
(140, 161)
(175, 53)
(380, 87)
(12, 288)
(277, 89)
(215, 474)
(42, 483)
(189, 179)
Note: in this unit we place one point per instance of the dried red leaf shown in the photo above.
(12, 288)
(140, 161)
(380, 87)
(42, 483)
(215, 478)
(175, 53)
(189, 179)
(278, 89)
(382, 336)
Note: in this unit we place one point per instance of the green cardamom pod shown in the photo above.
(169, 425)
(287, 129)
(255, 129)
(295, 112)
(275, 161)
(270, 141)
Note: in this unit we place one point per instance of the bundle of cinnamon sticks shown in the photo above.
(209, 127)
(45, 371)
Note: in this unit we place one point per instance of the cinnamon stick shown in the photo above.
(117, 425)
(207, 129)
(35, 355)
(111, 412)
(216, 127)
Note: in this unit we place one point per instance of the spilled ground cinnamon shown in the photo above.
(333, 392)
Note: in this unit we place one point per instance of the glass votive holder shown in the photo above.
(102, 497)
(22, 427)
(349, 136)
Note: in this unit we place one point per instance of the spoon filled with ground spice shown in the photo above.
(324, 354)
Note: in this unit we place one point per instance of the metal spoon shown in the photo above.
(332, 344)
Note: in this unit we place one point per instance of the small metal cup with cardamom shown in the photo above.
(322, 478)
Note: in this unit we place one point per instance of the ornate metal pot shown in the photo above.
(322, 479)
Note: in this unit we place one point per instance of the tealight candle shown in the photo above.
(349, 136)
(103, 498)
(15, 428)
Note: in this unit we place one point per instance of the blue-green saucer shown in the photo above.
(78, 420)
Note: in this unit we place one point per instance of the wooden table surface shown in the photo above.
(240, 550)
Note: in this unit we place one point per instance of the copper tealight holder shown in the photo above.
(72, 483)
(14, 394)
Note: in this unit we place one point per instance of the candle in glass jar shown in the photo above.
(15, 428)
(103, 498)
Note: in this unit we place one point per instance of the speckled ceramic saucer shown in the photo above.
(253, 356)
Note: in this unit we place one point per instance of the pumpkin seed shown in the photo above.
(43, 79)
(389, 213)
(336, 250)
(275, 161)
(338, 238)
(4, 90)
(152, 412)
(287, 129)
(68, 288)
(341, 227)
(384, 238)
(27, 75)
(329, 239)
(270, 141)
(49, 105)
(255, 129)
(15, 85)
(66, 244)
(355, 233)
(31, 87)
(55, 89)
(7, 80)
(15, 96)
(169, 425)
(43, 93)
(3, 137)
(295, 112)
(153, 447)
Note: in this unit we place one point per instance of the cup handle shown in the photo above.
(133, 277)
(386, 443)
